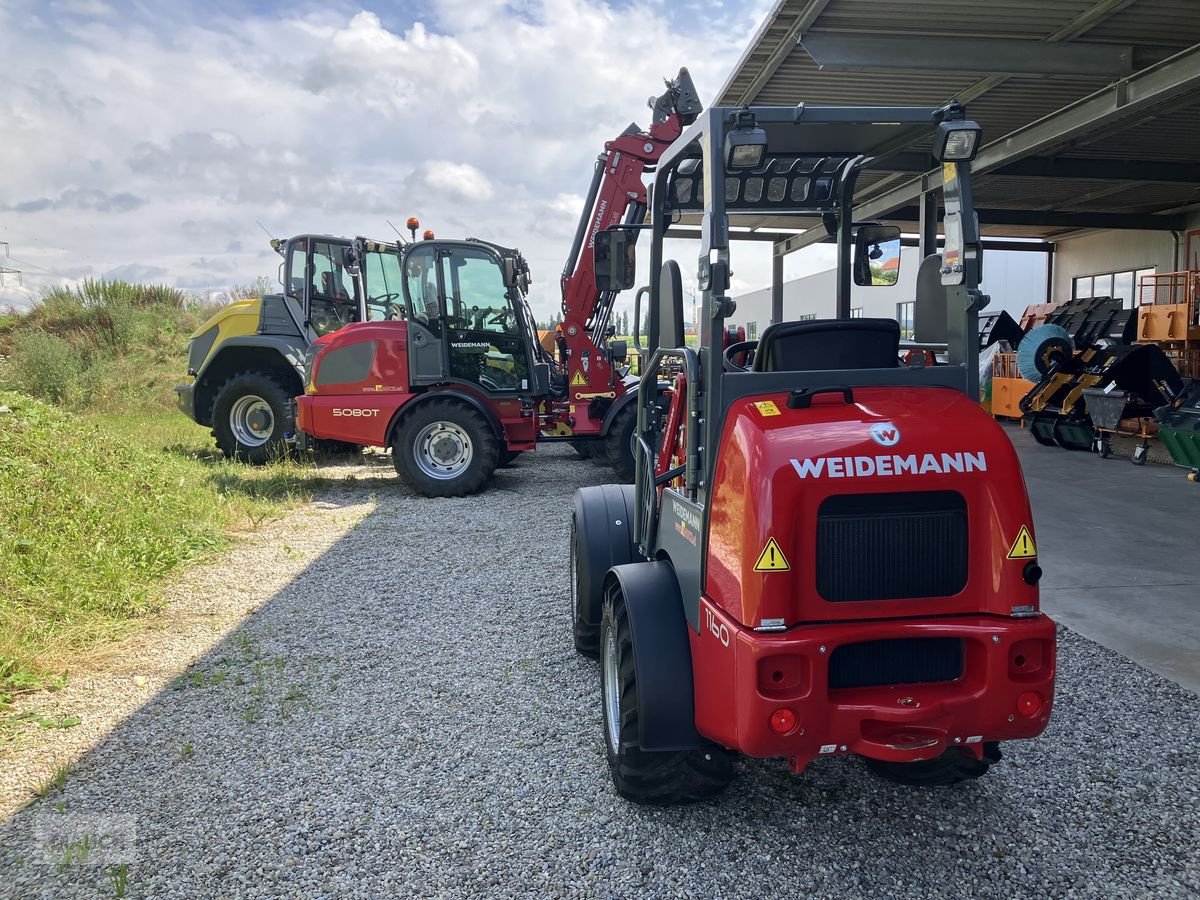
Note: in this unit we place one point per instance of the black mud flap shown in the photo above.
(662, 657)
(604, 538)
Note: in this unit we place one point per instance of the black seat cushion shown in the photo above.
(815, 345)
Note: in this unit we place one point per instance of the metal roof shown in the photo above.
(1090, 108)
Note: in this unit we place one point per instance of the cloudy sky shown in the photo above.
(143, 139)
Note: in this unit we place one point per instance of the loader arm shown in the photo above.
(617, 195)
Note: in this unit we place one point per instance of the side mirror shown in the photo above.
(877, 255)
(614, 259)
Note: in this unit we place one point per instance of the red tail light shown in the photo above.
(783, 721)
(1029, 704)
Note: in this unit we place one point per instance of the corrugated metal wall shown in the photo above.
(1110, 251)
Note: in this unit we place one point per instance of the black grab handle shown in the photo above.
(802, 398)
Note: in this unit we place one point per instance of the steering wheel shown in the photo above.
(387, 301)
(747, 347)
(501, 318)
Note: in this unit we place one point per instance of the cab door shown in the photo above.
(425, 294)
(487, 341)
(320, 278)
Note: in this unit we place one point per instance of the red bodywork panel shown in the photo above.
(774, 469)
(362, 412)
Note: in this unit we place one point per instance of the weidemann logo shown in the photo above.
(885, 434)
(883, 466)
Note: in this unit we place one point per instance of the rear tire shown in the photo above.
(618, 443)
(252, 415)
(444, 448)
(646, 776)
(586, 449)
(955, 765)
(587, 634)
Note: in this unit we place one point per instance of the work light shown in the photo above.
(746, 145)
(956, 141)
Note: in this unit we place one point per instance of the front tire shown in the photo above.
(657, 777)
(618, 443)
(252, 415)
(954, 766)
(444, 448)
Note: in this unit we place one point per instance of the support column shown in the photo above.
(776, 283)
(928, 223)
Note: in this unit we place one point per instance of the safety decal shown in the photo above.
(1023, 547)
(577, 379)
(766, 407)
(771, 559)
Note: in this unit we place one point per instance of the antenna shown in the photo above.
(264, 228)
(403, 239)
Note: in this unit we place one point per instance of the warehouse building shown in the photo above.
(1091, 131)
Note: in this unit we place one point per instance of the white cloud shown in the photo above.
(456, 179)
(162, 136)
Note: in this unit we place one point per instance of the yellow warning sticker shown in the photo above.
(766, 407)
(771, 559)
(577, 379)
(1023, 547)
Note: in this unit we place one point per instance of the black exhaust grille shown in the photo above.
(891, 546)
(898, 661)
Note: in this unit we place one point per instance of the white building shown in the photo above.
(1012, 279)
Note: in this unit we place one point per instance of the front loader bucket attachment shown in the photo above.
(1096, 319)
(1041, 426)
(1179, 428)
(1074, 433)
(1124, 382)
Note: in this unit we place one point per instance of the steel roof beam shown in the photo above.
(1128, 97)
(1040, 218)
(809, 12)
(1088, 168)
(994, 56)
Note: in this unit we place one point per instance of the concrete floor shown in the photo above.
(1120, 546)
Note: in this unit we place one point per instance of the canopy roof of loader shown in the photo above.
(1090, 108)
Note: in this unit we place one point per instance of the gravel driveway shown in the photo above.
(407, 717)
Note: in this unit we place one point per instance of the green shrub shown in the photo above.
(46, 365)
(105, 345)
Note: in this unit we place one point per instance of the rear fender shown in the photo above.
(662, 657)
(603, 538)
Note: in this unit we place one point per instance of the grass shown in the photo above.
(96, 510)
(106, 489)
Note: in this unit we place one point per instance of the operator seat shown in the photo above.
(332, 290)
(815, 345)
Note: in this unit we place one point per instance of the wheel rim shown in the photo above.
(443, 450)
(612, 691)
(251, 420)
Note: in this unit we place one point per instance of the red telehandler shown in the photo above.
(825, 552)
(459, 383)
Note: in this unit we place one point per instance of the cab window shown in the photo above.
(420, 275)
(383, 277)
(332, 303)
(486, 346)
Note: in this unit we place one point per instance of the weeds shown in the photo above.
(118, 877)
(53, 782)
(187, 751)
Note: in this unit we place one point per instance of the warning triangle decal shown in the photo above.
(1023, 547)
(577, 380)
(771, 559)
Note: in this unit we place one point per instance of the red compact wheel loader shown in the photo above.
(459, 383)
(825, 552)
